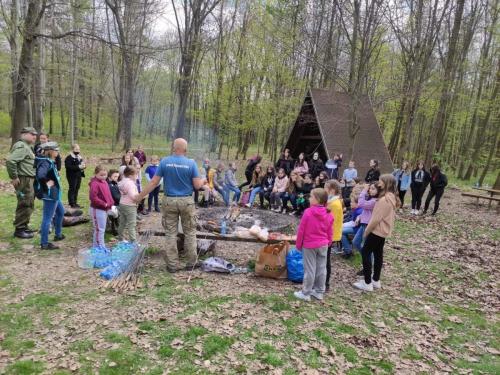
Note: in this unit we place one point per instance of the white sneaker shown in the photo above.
(316, 295)
(302, 296)
(248, 205)
(376, 284)
(363, 286)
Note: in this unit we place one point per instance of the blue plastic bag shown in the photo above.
(295, 265)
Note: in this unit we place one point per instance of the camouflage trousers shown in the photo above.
(174, 208)
(25, 202)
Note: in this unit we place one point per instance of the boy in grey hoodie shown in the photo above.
(230, 183)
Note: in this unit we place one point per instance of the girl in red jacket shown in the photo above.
(101, 201)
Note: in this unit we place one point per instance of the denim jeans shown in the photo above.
(224, 195)
(289, 197)
(256, 190)
(357, 242)
(236, 192)
(51, 210)
(346, 245)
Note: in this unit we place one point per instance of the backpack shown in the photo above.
(216, 264)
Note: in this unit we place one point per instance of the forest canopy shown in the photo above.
(233, 74)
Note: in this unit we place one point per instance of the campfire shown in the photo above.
(210, 219)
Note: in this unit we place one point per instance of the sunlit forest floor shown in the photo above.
(437, 311)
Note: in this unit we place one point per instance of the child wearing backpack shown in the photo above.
(101, 201)
(313, 237)
(333, 190)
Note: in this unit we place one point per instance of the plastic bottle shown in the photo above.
(113, 270)
(85, 259)
(223, 227)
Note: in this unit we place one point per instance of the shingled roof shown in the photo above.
(323, 125)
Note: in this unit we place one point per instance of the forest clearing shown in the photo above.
(275, 129)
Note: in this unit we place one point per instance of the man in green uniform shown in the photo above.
(20, 166)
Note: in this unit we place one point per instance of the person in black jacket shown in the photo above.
(304, 192)
(373, 173)
(438, 183)
(420, 178)
(75, 170)
(249, 170)
(113, 176)
(316, 166)
(44, 138)
(286, 162)
(267, 186)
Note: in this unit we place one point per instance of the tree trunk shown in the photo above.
(35, 11)
(436, 130)
(483, 124)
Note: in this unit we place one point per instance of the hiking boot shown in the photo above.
(30, 230)
(49, 246)
(316, 295)
(363, 286)
(22, 233)
(376, 284)
(171, 270)
(302, 296)
(59, 238)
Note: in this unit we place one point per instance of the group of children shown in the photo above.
(372, 220)
(318, 195)
(113, 193)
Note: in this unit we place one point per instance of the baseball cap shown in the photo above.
(29, 129)
(50, 146)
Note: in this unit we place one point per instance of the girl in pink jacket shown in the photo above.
(313, 237)
(128, 207)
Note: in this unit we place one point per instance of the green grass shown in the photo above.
(181, 343)
(215, 344)
(25, 367)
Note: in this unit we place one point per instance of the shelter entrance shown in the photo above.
(306, 135)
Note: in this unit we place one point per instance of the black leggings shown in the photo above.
(328, 267)
(73, 188)
(438, 193)
(417, 192)
(373, 244)
(248, 176)
(402, 194)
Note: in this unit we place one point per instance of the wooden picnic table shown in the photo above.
(490, 198)
(491, 191)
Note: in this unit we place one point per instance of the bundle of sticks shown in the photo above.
(129, 279)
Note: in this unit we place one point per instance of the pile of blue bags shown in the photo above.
(114, 261)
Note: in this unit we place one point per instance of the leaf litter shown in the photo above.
(433, 264)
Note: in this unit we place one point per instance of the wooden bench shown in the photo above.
(480, 196)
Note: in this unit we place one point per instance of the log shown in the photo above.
(226, 237)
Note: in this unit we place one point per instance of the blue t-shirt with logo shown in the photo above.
(177, 172)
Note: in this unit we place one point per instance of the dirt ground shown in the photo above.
(437, 311)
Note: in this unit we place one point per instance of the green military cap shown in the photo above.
(29, 129)
(49, 146)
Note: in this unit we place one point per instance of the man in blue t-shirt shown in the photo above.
(180, 177)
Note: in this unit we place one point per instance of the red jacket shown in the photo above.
(100, 195)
